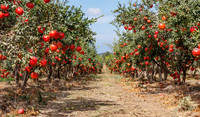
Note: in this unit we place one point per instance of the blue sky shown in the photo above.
(105, 31)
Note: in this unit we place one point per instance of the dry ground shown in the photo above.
(109, 95)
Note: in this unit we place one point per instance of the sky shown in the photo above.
(105, 31)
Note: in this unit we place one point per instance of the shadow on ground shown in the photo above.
(47, 97)
(82, 88)
(63, 108)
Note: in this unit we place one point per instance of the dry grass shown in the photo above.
(170, 97)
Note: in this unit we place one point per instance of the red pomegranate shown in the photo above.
(78, 48)
(34, 75)
(43, 63)
(53, 47)
(46, 38)
(33, 61)
(30, 5)
(53, 34)
(19, 10)
(161, 26)
(4, 7)
(196, 52)
(62, 35)
(2, 15)
(47, 1)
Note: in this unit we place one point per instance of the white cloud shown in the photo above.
(94, 11)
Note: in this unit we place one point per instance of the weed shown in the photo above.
(92, 76)
(117, 76)
(6, 79)
(186, 103)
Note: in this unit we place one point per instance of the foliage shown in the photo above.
(159, 37)
(6, 79)
(47, 38)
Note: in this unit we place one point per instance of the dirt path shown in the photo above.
(105, 98)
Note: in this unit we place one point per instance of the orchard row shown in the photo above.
(159, 37)
(45, 38)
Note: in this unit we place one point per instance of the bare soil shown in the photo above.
(109, 95)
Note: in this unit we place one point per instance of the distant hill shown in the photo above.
(103, 55)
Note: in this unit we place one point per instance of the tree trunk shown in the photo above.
(194, 74)
(152, 72)
(49, 74)
(161, 68)
(136, 74)
(58, 73)
(165, 75)
(141, 76)
(160, 74)
(54, 74)
(147, 75)
(184, 76)
(133, 75)
(67, 73)
(16, 73)
(25, 80)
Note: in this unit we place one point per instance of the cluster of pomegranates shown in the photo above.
(19, 10)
